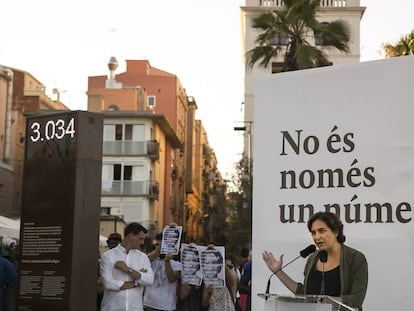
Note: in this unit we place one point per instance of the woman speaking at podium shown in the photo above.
(342, 274)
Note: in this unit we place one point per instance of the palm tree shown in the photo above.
(405, 46)
(287, 31)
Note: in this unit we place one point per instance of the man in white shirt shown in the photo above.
(125, 270)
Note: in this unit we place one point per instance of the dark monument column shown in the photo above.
(59, 233)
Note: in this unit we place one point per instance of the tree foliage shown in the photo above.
(239, 208)
(405, 46)
(287, 32)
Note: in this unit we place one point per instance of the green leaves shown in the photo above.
(336, 34)
(288, 32)
(264, 54)
(405, 46)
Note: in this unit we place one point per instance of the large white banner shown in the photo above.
(337, 138)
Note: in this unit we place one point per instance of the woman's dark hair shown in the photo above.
(332, 221)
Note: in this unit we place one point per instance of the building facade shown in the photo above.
(205, 212)
(157, 168)
(20, 94)
(149, 170)
(139, 144)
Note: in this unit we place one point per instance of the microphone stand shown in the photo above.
(323, 279)
(274, 273)
(323, 257)
(303, 253)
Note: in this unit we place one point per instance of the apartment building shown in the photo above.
(137, 147)
(148, 166)
(206, 201)
(205, 186)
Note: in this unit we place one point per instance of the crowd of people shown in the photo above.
(196, 277)
(205, 278)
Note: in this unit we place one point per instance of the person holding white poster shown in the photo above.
(212, 266)
(218, 279)
(190, 286)
(190, 261)
(162, 294)
(171, 237)
(336, 269)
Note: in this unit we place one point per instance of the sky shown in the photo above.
(63, 42)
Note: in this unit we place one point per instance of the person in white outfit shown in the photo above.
(125, 270)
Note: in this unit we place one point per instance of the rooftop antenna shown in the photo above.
(113, 30)
(112, 66)
(57, 92)
(113, 63)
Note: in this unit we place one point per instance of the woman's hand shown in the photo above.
(207, 293)
(168, 257)
(272, 263)
(185, 290)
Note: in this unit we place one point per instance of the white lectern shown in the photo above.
(275, 302)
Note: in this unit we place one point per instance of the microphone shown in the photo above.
(323, 257)
(303, 253)
(306, 252)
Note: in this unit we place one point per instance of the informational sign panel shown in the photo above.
(58, 261)
(337, 139)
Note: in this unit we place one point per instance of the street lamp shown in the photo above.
(247, 129)
(239, 128)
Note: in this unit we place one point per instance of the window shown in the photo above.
(280, 39)
(105, 210)
(128, 131)
(114, 132)
(117, 171)
(113, 108)
(123, 172)
(127, 172)
(151, 101)
(118, 132)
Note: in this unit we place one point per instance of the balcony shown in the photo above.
(149, 148)
(324, 3)
(149, 189)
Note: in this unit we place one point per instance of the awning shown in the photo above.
(9, 227)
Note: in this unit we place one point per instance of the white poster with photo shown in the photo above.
(212, 266)
(171, 238)
(191, 264)
(340, 139)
